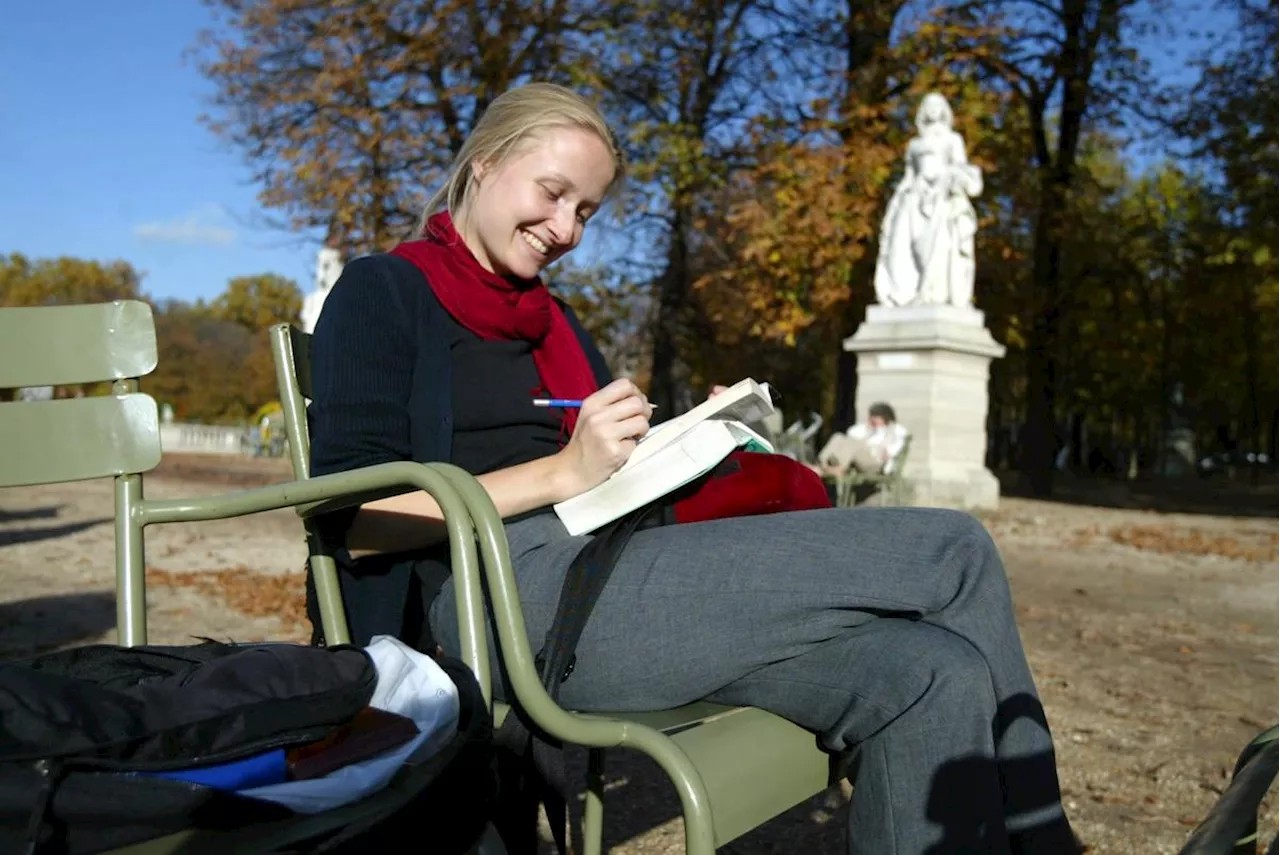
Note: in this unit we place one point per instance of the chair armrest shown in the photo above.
(513, 635)
(513, 639)
(341, 489)
(383, 479)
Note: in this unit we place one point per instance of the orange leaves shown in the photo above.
(257, 302)
(351, 112)
(795, 227)
(1244, 545)
(64, 280)
(282, 596)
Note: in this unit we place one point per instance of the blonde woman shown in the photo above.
(889, 633)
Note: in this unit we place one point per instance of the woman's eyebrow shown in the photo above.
(560, 177)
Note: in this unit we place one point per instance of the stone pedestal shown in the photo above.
(931, 364)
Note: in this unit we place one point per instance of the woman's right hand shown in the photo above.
(610, 423)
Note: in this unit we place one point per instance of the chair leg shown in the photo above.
(593, 812)
(131, 585)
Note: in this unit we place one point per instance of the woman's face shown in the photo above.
(529, 211)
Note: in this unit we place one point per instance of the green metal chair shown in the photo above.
(891, 486)
(118, 435)
(733, 767)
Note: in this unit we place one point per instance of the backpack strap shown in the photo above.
(545, 776)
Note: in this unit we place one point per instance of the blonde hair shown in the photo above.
(516, 116)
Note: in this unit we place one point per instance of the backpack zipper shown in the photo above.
(50, 772)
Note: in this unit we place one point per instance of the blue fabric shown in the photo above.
(256, 771)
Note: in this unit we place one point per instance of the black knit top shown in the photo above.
(390, 369)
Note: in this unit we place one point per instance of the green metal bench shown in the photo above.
(733, 767)
(118, 436)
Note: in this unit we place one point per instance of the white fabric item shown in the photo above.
(886, 441)
(411, 684)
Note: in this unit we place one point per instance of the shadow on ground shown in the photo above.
(33, 535)
(38, 624)
(46, 513)
(1215, 496)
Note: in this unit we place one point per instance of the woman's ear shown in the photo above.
(478, 170)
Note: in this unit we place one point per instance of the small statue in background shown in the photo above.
(328, 269)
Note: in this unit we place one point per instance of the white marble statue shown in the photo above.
(328, 269)
(926, 240)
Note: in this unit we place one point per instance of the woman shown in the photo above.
(888, 632)
(926, 246)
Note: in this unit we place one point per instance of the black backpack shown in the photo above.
(73, 724)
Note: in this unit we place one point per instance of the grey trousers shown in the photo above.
(888, 632)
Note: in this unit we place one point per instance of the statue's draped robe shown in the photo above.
(926, 243)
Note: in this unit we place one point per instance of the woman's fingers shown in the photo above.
(631, 429)
(616, 391)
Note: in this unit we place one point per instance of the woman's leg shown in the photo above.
(696, 611)
(914, 704)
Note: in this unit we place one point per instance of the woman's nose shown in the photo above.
(561, 226)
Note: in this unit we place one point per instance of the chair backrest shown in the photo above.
(71, 439)
(291, 351)
(900, 459)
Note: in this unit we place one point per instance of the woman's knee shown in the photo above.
(969, 547)
(928, 661)
(963, 529)
(959, 675)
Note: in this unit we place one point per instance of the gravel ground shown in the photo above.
(1153, 637)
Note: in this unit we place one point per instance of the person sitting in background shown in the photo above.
(871, 447)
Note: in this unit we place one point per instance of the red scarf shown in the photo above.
(500, 309)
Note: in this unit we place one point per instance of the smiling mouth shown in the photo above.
(535, 242)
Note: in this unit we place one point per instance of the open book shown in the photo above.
(672, 454)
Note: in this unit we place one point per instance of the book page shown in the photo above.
(745, 401)
(692, 454)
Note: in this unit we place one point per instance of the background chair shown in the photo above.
(733, 767)
(890, 486)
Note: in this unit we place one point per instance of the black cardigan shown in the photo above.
(382, 392)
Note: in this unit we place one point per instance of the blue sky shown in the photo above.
(102, 155)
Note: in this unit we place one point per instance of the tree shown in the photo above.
(1067, 63)
(257, 302)
(348, 112)
(210, 369)
(65, 281)
(1231, 121)
(680, 76)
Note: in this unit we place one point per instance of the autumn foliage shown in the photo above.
(764, 140)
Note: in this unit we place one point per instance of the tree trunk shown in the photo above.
(665, 382)
(868, 27)
(1040, 432)
(1250, 413)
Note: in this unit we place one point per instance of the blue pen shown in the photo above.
(563, 402)
(556, 402)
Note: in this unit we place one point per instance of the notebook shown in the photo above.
(672, 454)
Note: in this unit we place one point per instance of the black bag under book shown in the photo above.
(75, 724)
